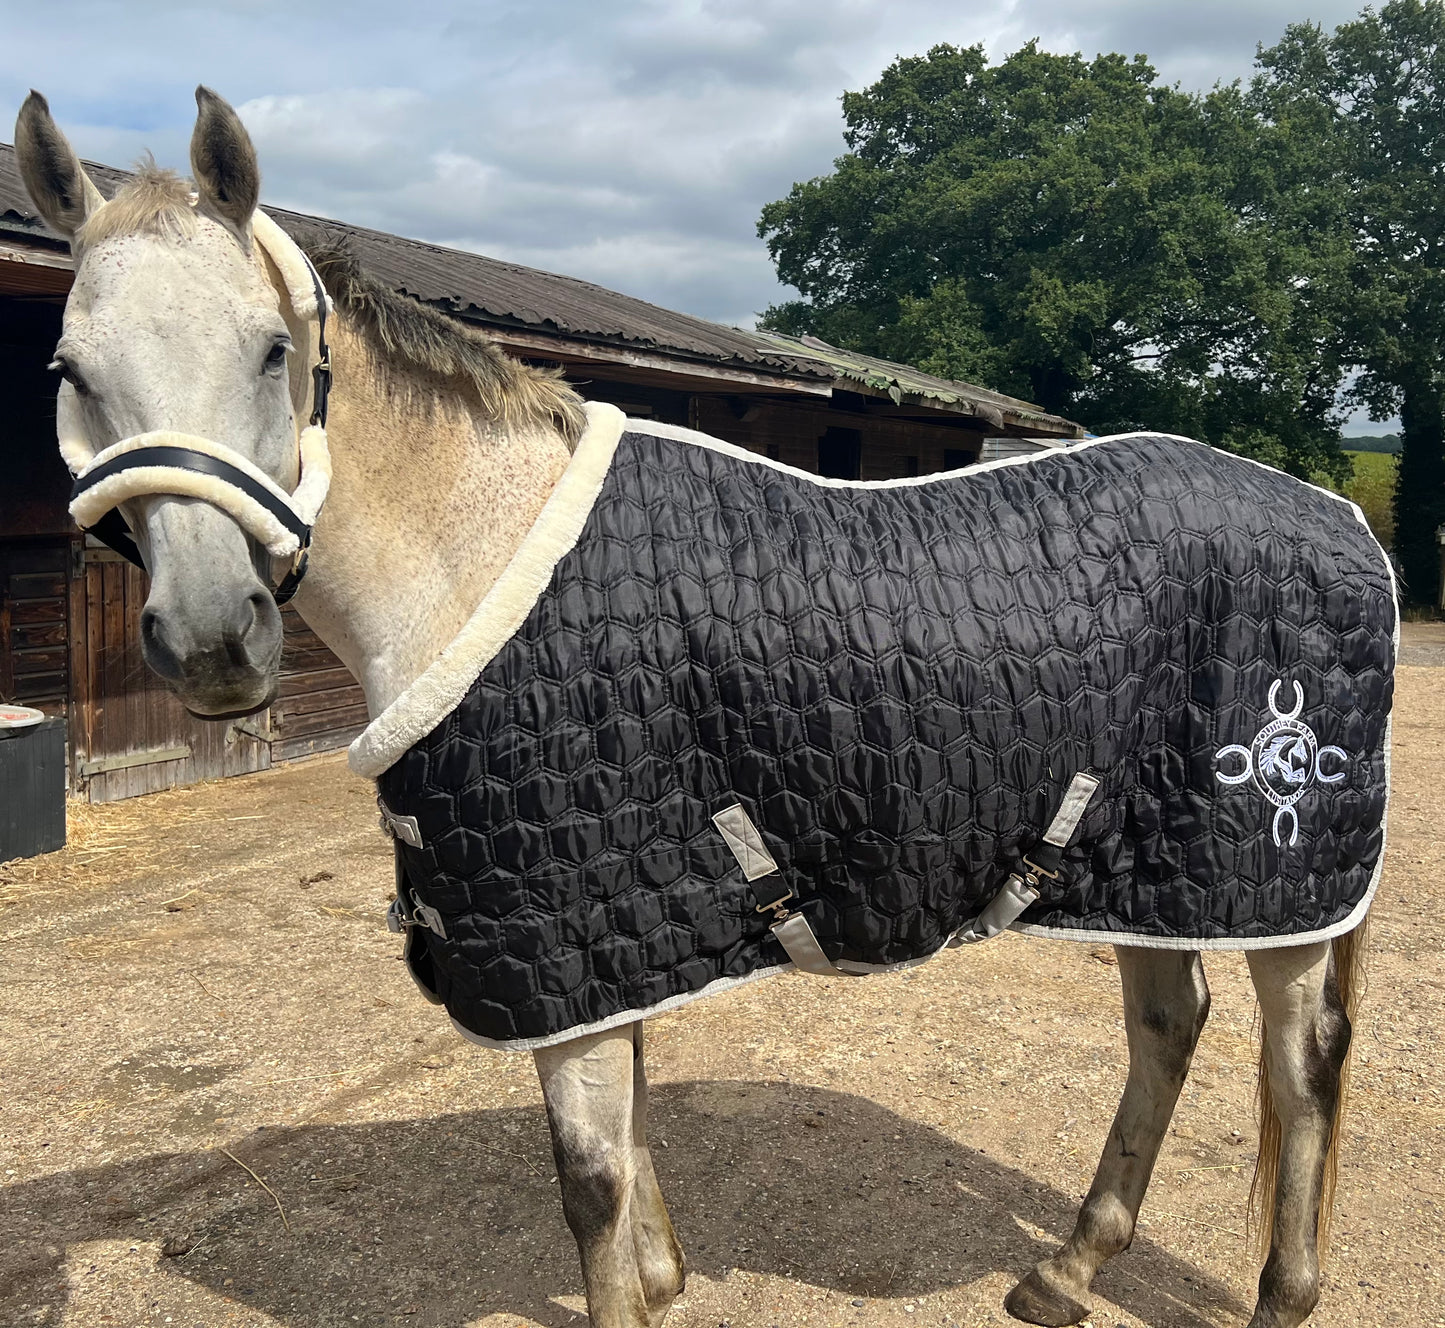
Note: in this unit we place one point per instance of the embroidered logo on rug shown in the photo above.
(1284, 759)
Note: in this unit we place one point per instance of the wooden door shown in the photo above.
(34, 610)
(319, 706)
(129, 733)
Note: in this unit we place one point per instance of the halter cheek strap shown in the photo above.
(193, 467)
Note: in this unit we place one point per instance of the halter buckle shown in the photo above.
(291, 582)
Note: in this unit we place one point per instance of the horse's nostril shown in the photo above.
(156, 648)
(248, 638)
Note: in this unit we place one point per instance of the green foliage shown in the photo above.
(1077, 234)
(1365, 108)
(1373, 487)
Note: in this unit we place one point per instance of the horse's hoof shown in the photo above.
(1036, 1301)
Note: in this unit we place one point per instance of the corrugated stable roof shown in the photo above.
(507, 295)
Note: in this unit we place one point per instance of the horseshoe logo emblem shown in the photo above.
(1284, 760)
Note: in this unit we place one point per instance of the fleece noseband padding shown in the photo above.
(174, 463)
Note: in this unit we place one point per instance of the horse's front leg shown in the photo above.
(588, 1085)
(1166, 1003)
(659, 1255)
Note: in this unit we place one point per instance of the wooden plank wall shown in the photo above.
(122, 710)
(34, 608)
(320, 706)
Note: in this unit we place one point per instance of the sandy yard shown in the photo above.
(225, 1104)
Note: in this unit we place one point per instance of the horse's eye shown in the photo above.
(276, 356)
(67, 372)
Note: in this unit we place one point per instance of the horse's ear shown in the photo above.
(223, 163)
(54, 179)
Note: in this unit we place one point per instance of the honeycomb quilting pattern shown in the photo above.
(897, 684)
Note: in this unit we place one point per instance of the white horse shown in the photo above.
(443, 453)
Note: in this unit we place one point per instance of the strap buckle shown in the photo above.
(408, 911)
(321, 387)
(291, 582)
(777, 907)
(404, 828)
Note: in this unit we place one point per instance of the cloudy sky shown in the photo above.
(631, 142)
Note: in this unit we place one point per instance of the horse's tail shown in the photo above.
(1348, 963)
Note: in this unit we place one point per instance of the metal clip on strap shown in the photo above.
(1021, 890)
(404, 828)
(773, 893)
(407, 911)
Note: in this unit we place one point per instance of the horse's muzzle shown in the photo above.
(218, 669)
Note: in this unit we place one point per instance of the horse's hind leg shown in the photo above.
(588, 1087)
(1307, 1039)
(659, 1255)
(1165, 1004)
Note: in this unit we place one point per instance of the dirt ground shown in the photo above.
(225, 1104)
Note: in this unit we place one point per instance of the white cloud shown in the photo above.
(631, 143)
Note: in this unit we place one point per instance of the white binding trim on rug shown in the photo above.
(504, 608)
(846, 967)
(479, 641)
(855, 969)
(714, 988)
(683, 435)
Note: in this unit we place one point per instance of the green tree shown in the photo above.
(1075, 233)
(1370, 98)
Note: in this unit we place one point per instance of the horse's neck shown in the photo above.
(428, 502)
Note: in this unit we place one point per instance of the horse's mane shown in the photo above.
(402, 329)
(159, 202)
(152, 202)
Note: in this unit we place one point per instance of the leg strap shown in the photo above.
(772, 892)
(1023, 887)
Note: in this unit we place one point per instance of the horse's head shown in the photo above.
(173, 325)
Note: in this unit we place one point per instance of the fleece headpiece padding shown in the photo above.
(292, 264)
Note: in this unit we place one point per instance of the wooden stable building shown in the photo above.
(70, 609)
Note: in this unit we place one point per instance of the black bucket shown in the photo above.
(32, 789)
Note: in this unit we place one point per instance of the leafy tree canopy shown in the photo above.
(1080, 235)
(1366, 104)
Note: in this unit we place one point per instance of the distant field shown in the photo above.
(1378, 442)
(1373, 487)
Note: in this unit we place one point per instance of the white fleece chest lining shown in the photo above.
(504, 608)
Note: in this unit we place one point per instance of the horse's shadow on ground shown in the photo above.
(444, 1220)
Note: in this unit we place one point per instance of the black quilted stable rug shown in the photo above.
(897, 683)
